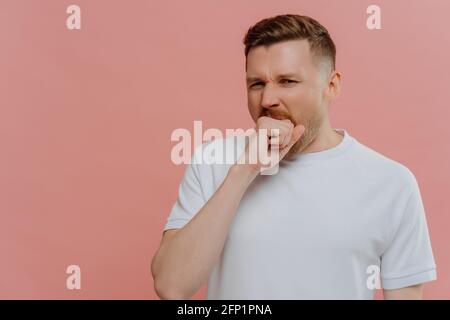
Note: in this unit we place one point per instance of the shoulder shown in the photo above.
(381, 167)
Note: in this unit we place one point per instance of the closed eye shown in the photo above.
(282, 81)
(256, 84)
(288, 81)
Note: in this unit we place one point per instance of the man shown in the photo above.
(334, 214)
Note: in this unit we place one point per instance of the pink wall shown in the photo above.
(86, 117)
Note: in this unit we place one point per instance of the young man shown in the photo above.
(334, 214)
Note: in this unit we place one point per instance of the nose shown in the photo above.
(269, 97)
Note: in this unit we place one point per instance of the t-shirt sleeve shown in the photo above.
(190, 196)
(409, 260)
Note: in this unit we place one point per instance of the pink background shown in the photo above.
(86, 118)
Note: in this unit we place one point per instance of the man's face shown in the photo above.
(283, 82)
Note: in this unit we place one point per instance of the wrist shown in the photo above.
(245, 170)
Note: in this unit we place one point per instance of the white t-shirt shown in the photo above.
(323, 227)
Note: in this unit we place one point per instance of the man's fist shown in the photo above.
(270, 142)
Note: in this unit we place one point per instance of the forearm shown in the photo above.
(407, 293)
(185, 262)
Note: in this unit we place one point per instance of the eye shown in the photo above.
(288, 81)
(256, 84)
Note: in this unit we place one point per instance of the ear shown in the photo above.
(333, 86)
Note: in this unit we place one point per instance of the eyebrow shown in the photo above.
(284, 75)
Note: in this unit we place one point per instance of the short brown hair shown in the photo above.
(292, 27)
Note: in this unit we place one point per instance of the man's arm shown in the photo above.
(183, 262)
(407, 293)
(186, 257)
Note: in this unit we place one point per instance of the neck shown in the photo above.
(326, 138)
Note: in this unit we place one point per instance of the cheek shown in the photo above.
(297, 96)
(305, 98)
(297, 101)
(253, 105)
(301, 104)
(253, 97)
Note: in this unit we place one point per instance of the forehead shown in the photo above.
(281, 57)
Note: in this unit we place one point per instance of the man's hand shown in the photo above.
(270, 142)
